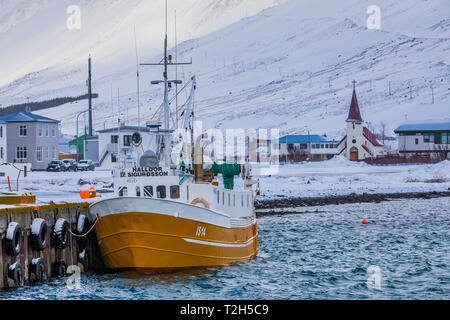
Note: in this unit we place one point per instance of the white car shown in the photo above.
(85, 165)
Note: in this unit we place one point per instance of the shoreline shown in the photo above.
(296, 202)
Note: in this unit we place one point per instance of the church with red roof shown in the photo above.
(359, 143)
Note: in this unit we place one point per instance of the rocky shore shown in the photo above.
(263, 207)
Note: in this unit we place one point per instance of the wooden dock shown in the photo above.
(40, 241)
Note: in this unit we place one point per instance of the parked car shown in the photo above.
(70, 164)
(85, 165)
(56, 166)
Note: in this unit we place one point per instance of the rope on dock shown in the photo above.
(84, 235)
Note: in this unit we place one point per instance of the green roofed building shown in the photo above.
(77, 145)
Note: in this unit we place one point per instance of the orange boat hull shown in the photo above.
(157, 243)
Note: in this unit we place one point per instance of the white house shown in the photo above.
(113, 141)
(425, 137)
(359, 143)
(302, 147)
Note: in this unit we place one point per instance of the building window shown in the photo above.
(39, 154)
(417, 141)
(23, 131)
(174, 192)
(54, 153)
(21, 152)
(53, 131)
(161, 192)
(46, 131)
(46, 153)
(127, 141)
(148, 191)
(438, 138)
(40, 130)
(303, 146)
(114, 139)
(445, 138)
(428, 137)
(1, 132)
(1, 152)
(113, 158)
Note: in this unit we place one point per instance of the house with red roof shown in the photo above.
(359, 143)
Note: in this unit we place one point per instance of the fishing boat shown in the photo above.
(166, 215)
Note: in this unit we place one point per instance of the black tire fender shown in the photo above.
(60, 233)
(59, 269)
(13, 239)
(38, 235)
(82, 224)
(38, 270)
(16, 274)
(83, 258)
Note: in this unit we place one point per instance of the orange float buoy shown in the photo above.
(365, 221)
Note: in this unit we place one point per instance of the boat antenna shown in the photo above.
(166, 62)
(137, 79)
(176, 72)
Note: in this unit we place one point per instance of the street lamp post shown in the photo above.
(78, 116)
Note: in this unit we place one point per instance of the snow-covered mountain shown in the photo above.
(289, 66)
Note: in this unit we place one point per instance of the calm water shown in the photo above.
(320, 255)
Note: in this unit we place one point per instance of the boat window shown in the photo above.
(138, 191)
(187, 193)
(175, 192)
(123, 192)
(229, 200)
(242, 200)
(234, 200)
(248, 201)
(161, 192)
(148, 191)
(218, 196)
(223, 198)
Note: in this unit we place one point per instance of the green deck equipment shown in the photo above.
(228, 171)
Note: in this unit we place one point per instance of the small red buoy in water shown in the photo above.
(365, 221)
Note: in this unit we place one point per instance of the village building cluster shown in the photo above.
(32, 141)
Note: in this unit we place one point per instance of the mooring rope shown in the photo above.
(84, 235)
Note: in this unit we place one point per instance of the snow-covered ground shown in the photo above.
(60, 186)
(342, 177)
(315, 179)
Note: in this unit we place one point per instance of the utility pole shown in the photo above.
(410, 91)
(176, 72)
(390, 91)
(432, 93)
(90, 97)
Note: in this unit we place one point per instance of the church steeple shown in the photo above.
(354, 115)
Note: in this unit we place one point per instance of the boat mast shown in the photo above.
(166, 62)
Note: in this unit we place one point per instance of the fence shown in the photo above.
(399, 159)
